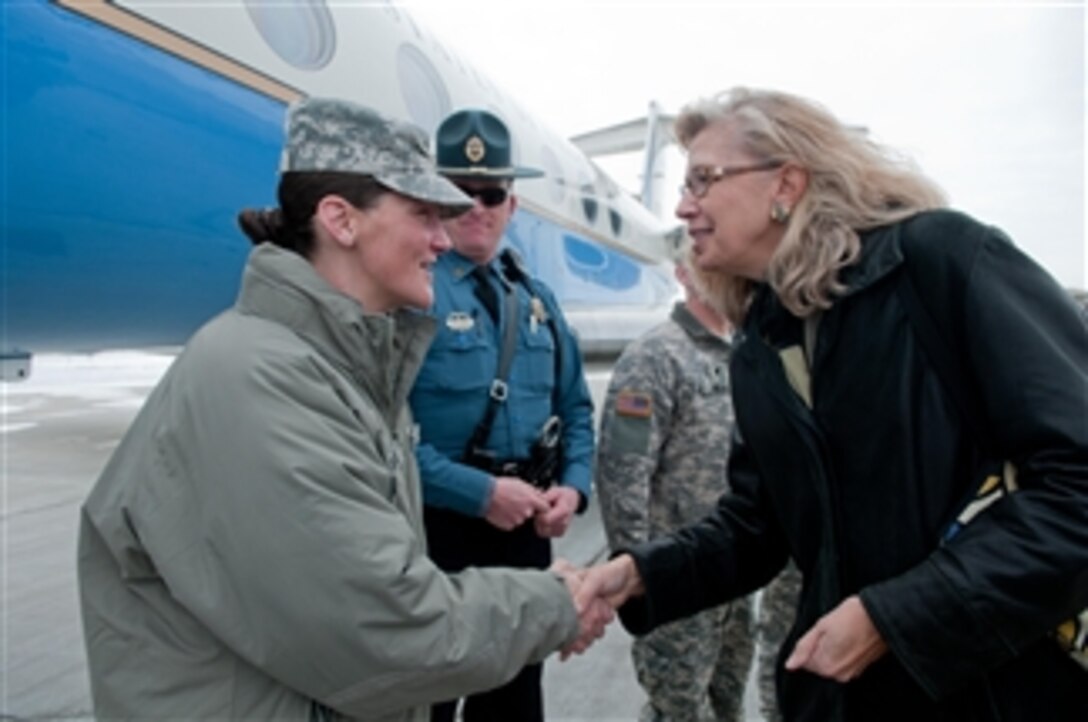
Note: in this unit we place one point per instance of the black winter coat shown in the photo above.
(859, 488)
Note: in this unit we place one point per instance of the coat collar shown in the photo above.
(460, 267)
(383, 352)
(685, 319)
(881, 253)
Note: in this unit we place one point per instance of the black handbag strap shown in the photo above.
(499, 390)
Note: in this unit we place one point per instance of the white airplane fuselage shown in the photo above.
(134, 133)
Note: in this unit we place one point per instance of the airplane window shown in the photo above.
(422, 88)
(589, 208)
(301, 32)
(589, 203)
(616, 221)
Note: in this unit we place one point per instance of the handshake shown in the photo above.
(597, 592)
(840, 646)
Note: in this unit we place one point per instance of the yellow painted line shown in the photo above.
(165, 39)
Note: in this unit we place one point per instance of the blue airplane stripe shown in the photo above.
(125, 167)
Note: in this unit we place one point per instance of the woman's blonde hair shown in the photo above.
(853, 184)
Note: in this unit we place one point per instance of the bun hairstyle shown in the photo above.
(291, 225)
(262, 224)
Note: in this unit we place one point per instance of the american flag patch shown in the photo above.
(634, 403)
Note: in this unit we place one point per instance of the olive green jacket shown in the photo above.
(254, 548)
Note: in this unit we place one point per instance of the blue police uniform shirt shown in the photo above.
(452, 390)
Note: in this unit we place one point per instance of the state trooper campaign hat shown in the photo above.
(324, 134)
(476, 144)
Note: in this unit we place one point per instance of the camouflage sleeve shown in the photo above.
(635, 422)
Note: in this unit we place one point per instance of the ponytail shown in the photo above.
(264, 224)
(291, 225)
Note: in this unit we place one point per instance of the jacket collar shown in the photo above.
(383, 352)
(460, 267)
(685, 319)
(881, 253)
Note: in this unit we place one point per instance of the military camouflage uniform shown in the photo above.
(777, 608)
(661, 464)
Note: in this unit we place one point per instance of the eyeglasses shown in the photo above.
(490, 196)
(701, 177)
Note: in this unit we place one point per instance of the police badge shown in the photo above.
(475, 150)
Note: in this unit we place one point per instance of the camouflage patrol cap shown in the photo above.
(325, 134)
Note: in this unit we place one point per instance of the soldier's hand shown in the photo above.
(562, 503)
(594, 614)
(513, 502)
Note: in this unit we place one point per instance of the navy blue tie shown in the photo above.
(486, 293)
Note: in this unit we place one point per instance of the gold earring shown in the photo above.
(779, 213)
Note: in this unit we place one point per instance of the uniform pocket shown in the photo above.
(535, 365)
(458, 361)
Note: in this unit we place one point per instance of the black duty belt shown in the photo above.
(513, 467)
(519, 468)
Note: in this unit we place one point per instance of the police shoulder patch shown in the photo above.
(636, 404)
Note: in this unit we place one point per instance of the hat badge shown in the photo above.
(475, 150)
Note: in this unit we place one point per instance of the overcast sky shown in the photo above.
(987, 98)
